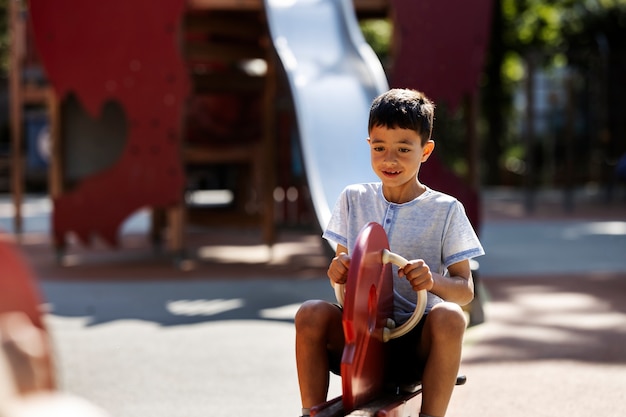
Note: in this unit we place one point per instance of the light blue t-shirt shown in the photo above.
(432, 227)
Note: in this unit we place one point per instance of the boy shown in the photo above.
(423, 225)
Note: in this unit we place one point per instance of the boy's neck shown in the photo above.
(404, 194)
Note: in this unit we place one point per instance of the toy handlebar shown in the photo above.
(390, 332)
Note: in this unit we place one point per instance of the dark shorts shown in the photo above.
(404, 364)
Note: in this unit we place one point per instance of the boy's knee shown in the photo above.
(448, 319)
(315, 314)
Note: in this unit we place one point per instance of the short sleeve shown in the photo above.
(460, 241)
(337, 228)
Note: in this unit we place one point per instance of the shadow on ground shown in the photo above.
(567, 317)
(171, 303)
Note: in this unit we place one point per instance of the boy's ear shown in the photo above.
(429, 147)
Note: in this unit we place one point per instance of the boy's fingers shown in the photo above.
(344, 258)
(418, 274)
(412, 265)
(338, 269)
(339, 278)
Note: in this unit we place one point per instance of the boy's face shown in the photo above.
(396, 155)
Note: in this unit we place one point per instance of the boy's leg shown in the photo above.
(442, 340)
(319, 334)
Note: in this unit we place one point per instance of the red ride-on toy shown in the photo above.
(367, 299)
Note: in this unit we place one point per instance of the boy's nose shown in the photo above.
(390, 157)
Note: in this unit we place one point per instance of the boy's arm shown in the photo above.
(457, 288)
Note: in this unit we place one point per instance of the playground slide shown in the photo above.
(334, 75)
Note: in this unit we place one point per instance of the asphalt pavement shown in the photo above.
(138, 336)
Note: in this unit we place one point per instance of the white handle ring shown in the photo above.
(420, 306)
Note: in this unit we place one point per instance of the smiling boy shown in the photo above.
(426, 226)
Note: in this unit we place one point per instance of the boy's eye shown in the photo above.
(378, 148)
(404, 150)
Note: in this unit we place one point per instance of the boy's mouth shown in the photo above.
(391, 173)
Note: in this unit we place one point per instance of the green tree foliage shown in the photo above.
(378, 34)
(557, 32)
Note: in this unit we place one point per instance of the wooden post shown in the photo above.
(55, 167)
(16, 55)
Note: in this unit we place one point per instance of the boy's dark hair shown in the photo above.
(404, 109)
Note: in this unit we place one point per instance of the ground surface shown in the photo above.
(139, 337)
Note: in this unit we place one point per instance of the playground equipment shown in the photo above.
(146, 73)
(367, 389)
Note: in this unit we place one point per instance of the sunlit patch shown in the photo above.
(33, 207)
(571, 301)
(255, 67)
(203, 307)
(287, 312)
(210, 197)
(608, 228)
(608, 321)
(254, 254)
(563, 317)
(280, 253)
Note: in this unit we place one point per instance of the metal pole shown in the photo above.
(529, 192)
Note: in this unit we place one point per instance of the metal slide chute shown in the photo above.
(334, 75)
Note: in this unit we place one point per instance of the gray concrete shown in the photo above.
(185, 349)
(553, 247)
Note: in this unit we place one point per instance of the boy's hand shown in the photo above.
(338, 268)
(418, 274)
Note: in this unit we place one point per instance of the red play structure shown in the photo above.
(440, 49)
(161, 65)
(127, 52)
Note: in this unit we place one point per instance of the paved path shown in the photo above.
(140, 338)
(551, 346)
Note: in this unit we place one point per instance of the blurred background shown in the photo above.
(153, 175)
(545, 112)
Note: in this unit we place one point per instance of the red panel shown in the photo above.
(441, 46)
(368, 303)
(126, 51)
(440, 50)
(439, 177)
